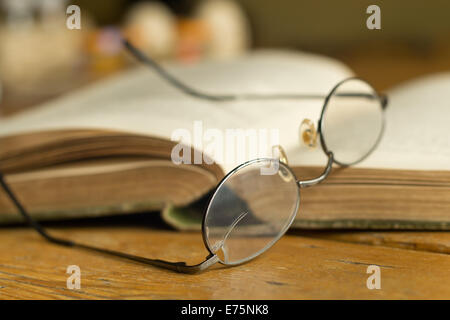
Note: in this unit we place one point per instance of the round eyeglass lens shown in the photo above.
(252, 207)
(352, 122)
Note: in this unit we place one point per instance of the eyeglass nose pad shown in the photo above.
(308, 133)
(279, 153)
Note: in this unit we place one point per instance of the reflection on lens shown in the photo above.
(352, 122)
(250, 211)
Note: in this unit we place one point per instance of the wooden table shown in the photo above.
(302, 265)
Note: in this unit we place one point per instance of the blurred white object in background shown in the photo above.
(19, 13)
(37, 51)
(52, 12)
(152, 27)
(228, 27)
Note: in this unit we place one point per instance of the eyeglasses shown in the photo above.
(255, 204)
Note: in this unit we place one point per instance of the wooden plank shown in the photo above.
(438, 241)
(295, 268)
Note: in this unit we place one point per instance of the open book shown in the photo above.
(107, 149)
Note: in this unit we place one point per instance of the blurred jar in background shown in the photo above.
(104, 48)
(38, 54)
(193, 37)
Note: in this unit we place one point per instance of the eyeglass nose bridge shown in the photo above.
(309, 136)
(323, 176)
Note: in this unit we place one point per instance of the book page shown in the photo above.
(417, 134)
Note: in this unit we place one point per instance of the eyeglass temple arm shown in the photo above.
(325, 173)
(175, 266)
(181, 267)
(140, 56)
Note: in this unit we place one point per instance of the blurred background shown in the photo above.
(40, 58)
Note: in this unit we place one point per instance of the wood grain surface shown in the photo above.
(297, 267)
(423, 241)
